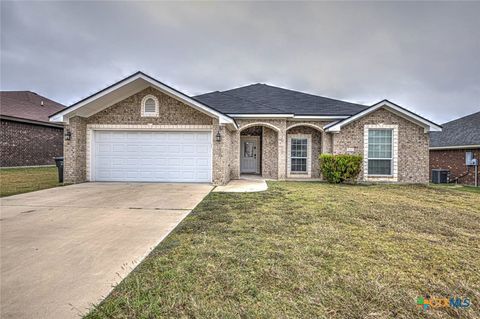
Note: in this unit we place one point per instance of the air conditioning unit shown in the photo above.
(440, 176)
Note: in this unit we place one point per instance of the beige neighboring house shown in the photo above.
(141, 130)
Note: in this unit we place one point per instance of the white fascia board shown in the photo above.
(223, 119)
(57, 118)
(330, 125)
(319, 117)
(290, 116)
(260, 116)
(429, 126)
(60, 116)
(454, 147)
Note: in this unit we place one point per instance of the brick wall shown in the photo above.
(24, 144)
(412, 141)
(316, 146)
(75, 151)
(412, 144)
(454, 160)
(222, 162)
(268, 149)
(274, 143)
(172, 112)
(128, 112)
(273, 146)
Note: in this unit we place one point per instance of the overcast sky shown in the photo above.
(424, 56)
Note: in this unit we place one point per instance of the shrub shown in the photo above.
(340, 168)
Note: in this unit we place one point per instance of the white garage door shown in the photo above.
(152, 156)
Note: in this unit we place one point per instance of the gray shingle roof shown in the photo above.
(459, 132)
(266, 99)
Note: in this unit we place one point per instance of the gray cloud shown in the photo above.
(424, 56)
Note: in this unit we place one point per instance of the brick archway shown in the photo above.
(267, 147)
(306, 124)
(273, 127)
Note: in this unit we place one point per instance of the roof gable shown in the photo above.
(127, 87)
(464, 131)
(392, 107)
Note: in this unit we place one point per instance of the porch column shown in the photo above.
(282, 150)
(235, 149)
(327, 143)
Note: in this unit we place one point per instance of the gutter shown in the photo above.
(455, 147)
(286, 115)
(34, 122)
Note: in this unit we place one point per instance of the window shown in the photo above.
(469, 158)
(298, 155)
(380, 153)
(248, 149)
(149, 106)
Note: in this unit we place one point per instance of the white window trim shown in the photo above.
(149, 114)
(308, 173)
(386, 178)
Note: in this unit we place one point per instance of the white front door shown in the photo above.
(249, 159)
(150, 156)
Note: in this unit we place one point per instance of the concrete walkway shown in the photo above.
(246, 184)
(63, 249)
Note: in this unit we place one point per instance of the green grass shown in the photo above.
(22, 180)
(311, 250)
(457, 187)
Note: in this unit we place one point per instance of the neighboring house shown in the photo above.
(140, 129)
(27, 136)
(449, 149)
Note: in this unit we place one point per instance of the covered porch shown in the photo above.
(280, 150)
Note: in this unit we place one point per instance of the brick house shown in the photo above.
(140, 129)
(27, 136)
(449, 148)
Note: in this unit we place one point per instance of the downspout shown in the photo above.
(476, 175)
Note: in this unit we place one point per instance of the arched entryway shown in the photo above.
(258, 151)
(304, 146)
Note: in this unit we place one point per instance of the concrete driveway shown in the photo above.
(62, 249)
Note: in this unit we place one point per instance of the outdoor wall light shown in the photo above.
(68, 135)
(218, 137)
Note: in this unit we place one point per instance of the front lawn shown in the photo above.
(21, 180)
(458, 187)
(311, 250)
